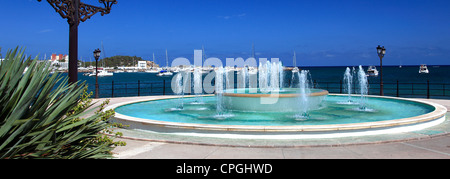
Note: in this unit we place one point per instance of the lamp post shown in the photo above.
(75, 11)
(381, 51)
(96, 56)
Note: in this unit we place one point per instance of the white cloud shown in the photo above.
(232, 16)
(45, 31)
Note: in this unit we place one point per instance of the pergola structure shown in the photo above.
(75, 12)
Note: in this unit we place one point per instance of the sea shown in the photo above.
(404, 82)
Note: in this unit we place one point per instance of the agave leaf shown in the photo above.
(40, 118)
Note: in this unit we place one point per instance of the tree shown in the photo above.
(119, 60)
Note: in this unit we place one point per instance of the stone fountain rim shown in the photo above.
(437, 115)
(274, 94)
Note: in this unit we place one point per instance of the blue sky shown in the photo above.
(322, 32)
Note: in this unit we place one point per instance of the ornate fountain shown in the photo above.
(271, 94)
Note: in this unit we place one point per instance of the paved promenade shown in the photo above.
(432, 146)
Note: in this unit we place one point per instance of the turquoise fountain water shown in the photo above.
(331, 112)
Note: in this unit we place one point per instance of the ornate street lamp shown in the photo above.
(75, 11)
(96, 56)
(381, 51)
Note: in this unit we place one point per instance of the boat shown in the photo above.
(105, 73)
(101, 73)
(372, 71)
(175, 69)
(164, 73)
(252, 70)
(229, 68)
(294, 62)
(152, 70)
(423, 68)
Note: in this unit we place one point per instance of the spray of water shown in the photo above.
(348, 81)
(271, 76)
(243, 77)
(304, 94)
(198, 90)
(363, 88)
(179, 90)
(219, 90)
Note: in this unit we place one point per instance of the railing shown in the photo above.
(398, 89)
(138, 88)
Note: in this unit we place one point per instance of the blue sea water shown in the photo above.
(411, 83)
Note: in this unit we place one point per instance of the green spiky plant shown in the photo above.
(41, 115)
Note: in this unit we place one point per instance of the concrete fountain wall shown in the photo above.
(287, 100)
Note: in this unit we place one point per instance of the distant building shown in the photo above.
(60, 61)
(59, 57)
(142, 64)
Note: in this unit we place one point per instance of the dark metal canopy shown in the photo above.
(75, 12)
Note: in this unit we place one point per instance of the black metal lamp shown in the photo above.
(96, 56)
(381, 51)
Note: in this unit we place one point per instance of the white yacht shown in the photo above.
(164, 73)
(294, 62)
(423, 69)
(101, 73)
(229, 68)
(372, 71)
(252, 70)
(175, 69)
(152, 70)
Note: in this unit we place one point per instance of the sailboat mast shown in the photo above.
(167, 59)
(153, 59)
(253, 50)
(294, 60)
(203, 55)
(104, 55)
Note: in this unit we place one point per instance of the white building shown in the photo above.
(59, 65)
(142, 64)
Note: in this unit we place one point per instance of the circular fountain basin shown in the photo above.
(285, 100)
(334, 119)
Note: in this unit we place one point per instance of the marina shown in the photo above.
(405, 81)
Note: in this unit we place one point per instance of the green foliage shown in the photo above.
(40, 119)
(118, 61)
